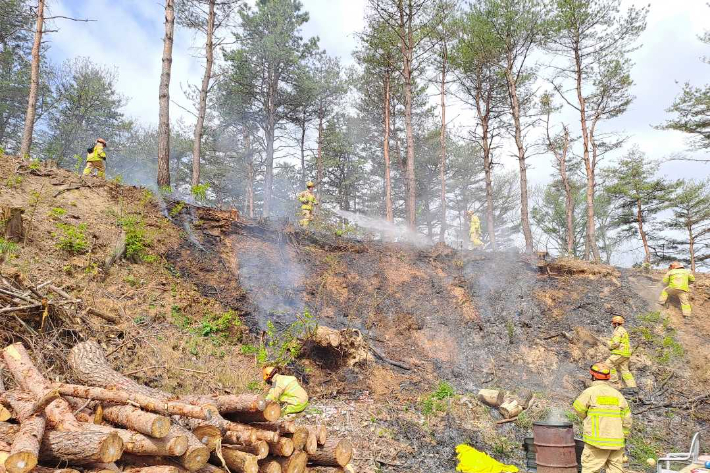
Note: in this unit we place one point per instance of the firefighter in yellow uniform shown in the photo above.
(96, 159)
(474, 231)
(676, 280)
(620, 347)
(607, 423)
(285, 390)
(308, 201)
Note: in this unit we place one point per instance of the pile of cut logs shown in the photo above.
(112, 423)
(509, 405)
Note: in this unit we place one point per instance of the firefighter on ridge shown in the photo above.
(285, 390)
(620, 347)
(96, 159)
(474, 231)
(607, 423)
(308, 201)
(676, 281)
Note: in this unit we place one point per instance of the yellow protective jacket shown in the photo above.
(307, 200)
(285, 389)
(619, 343)
(97, 154)
(606, 416)
(678, 279)
(474, 231)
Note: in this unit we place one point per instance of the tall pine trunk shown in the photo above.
(442, 164)
(589, 167)
(199, 126)
(270, 136)
(389, 213)
(691, 247)
(164, 98)
(407, 47)
(319, 155)
(34, 84)
(515, 108)
(303, 150)
(250, 173)
(488, 171)
(644, 239)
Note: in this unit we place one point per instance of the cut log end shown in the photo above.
(335, 452)
(195, 457)
(209, 435)
(269, 467)
(111, 448)
(20, 462)
(153, 469)
(282, 448)
(272, 412)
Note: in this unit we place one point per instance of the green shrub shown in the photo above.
(177, 208)
(34, 164)
(8, 248)
(137, 242)
(72, 238)
(199, 192)
(437, 400)
(283, 348)
(57, 212)
(14, 181)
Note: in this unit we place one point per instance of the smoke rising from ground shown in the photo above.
(385, 230)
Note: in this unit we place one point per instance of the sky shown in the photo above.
(127, 35)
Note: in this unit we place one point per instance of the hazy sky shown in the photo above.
(128, 36)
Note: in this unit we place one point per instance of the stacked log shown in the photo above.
(112, 423)
(509, 406)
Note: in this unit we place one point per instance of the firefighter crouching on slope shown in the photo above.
(96, 159)
(474, 231)
(607, 423)
(285, 390)
(676, 280)
(308, 200)
(620, 347)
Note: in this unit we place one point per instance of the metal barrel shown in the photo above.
(555, 448)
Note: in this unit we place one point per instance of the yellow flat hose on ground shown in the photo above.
(473, 461)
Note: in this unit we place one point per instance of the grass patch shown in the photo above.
(57, 212)
(438, 400)
(137, 240)
(8, 248)
(72, 238)
(655, 330)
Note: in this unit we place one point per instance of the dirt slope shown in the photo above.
(459, 321)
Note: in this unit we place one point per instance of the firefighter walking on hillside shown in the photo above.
(308, 201)
(676, 280)
(607, 423)
(474, 231)
(285, 390)
(96, 159)
(620, 347)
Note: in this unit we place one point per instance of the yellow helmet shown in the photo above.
(600, 371)
(617, 319)
(268, 372)
(310, 184)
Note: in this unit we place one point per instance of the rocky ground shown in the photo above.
(203, 288)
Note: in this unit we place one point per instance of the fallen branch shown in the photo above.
(382, 357)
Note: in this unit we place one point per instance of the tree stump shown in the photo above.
(12, 218)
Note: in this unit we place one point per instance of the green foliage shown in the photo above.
(14, 181)
(72, 238)
(177, 208)
(641, 446)
(691, 216)
(437, 401)
(166, 190)
(118, 179)
(133, 281)
(502, 447)
(179, 318)
(78, 163)
(137, 241)
(34, 165)
(655, 330)
(2, 151)
(248, 349)
(217, 328)
(199, 192)
(57, 212)
(282, 348)
(254, 386)
(8, 248)
(146, 197)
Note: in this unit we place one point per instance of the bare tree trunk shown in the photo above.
(442, 139)
(515, 108)
(588, 166)
(250, 173)
(389, 213)
(319, 156)
(270, 136)
(691, 247)
(303, 150)
(407, 45)
(199, 126)
(569, 200)
(644, 240)
(164, 98)
(34, 84)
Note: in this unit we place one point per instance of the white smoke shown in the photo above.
(384, 230)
